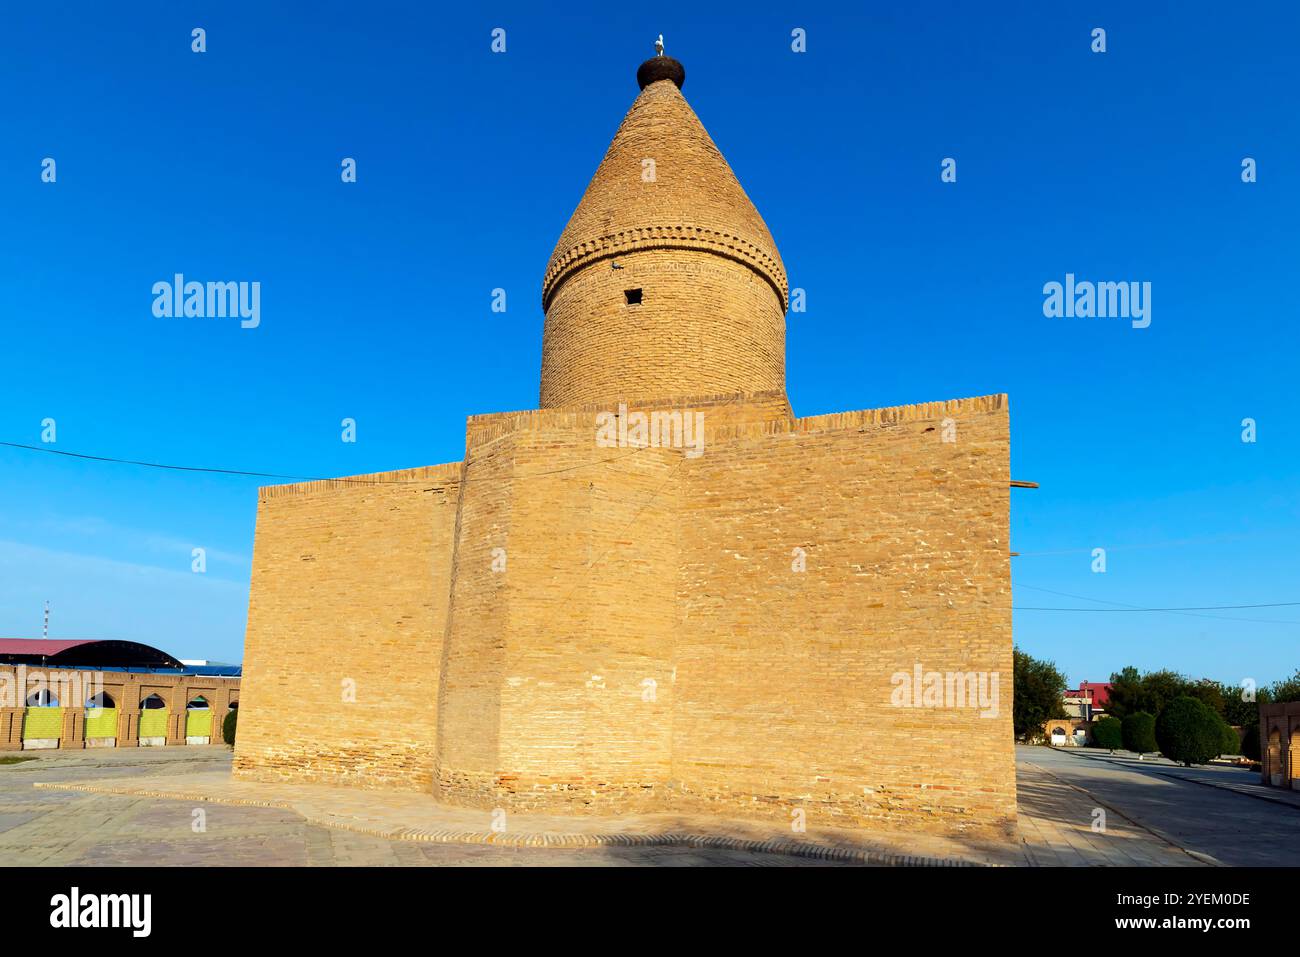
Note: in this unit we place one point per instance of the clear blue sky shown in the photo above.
(376, 295)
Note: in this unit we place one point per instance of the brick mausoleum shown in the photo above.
(556, 624)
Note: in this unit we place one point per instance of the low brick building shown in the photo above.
(1279, 744)
(88, 694)
(761, 614)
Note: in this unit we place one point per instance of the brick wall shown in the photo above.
(1279, 744)
(705, 324)
(125, 691)
(544, 693)
(350, 582)
(784, 678)
(647, 643)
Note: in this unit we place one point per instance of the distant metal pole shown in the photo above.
(45, 633)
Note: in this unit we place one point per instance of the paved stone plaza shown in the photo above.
(1156, 815)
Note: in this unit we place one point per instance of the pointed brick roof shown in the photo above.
(694, 201)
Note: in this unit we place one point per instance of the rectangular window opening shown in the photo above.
(633, 296)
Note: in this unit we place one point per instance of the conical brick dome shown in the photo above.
(666, 281)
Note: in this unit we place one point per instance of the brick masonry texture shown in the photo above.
(712, 317)
(556, 625)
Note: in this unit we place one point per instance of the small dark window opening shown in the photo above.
(633, 296)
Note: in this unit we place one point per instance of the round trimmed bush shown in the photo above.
(1188, 732)
(1139, 732)
(1108, 733)
(228, 727)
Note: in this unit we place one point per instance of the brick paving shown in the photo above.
(107, 808)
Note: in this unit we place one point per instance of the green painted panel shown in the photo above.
(42, 723)
(198, 723)
(101, 722)
(153, 723)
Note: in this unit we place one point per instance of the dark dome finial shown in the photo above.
(660, 67)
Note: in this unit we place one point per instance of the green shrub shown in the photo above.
(1188, 732)
(1230, 743)
(1139, 732)
(228, 727)
(1108, 733)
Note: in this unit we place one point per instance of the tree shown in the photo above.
(1159, 688)
(1188, 732)
(1037, 690)
(1139, 732)
(1229, 742)
(228, 727)
(1209, 693)
(1125, 690)
(1108, 733)
(1287, 690)
(1237, 710)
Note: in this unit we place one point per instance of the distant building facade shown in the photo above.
(1088, 701)
(1279, 744)
(75, 694)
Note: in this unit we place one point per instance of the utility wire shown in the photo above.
(155, 465)
(1124, 606)
(305, 478)
(1276, 604)
(288, 478)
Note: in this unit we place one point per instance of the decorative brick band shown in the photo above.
(667, 237)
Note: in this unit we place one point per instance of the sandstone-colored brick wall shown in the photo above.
(350, 582)
(784, 678)
(647, 643)
(705, 324)
(1279, 744)
(545, 698)
(723, 413)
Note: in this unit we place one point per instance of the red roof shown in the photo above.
(1098, 691)
(40, 646)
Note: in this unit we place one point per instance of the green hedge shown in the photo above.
(1108, 733)
(1189, 732)
(228, 728)
(1140, 733)
(1229, 743)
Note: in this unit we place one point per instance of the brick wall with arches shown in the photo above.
(69, 708)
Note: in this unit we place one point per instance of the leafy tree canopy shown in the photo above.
(1189, 732)
(1037, 689)
(1139, 732)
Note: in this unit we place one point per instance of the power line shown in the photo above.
(304, 478)
(159, 465)
(1276, 604)
(1124, 606)
(288, 478)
